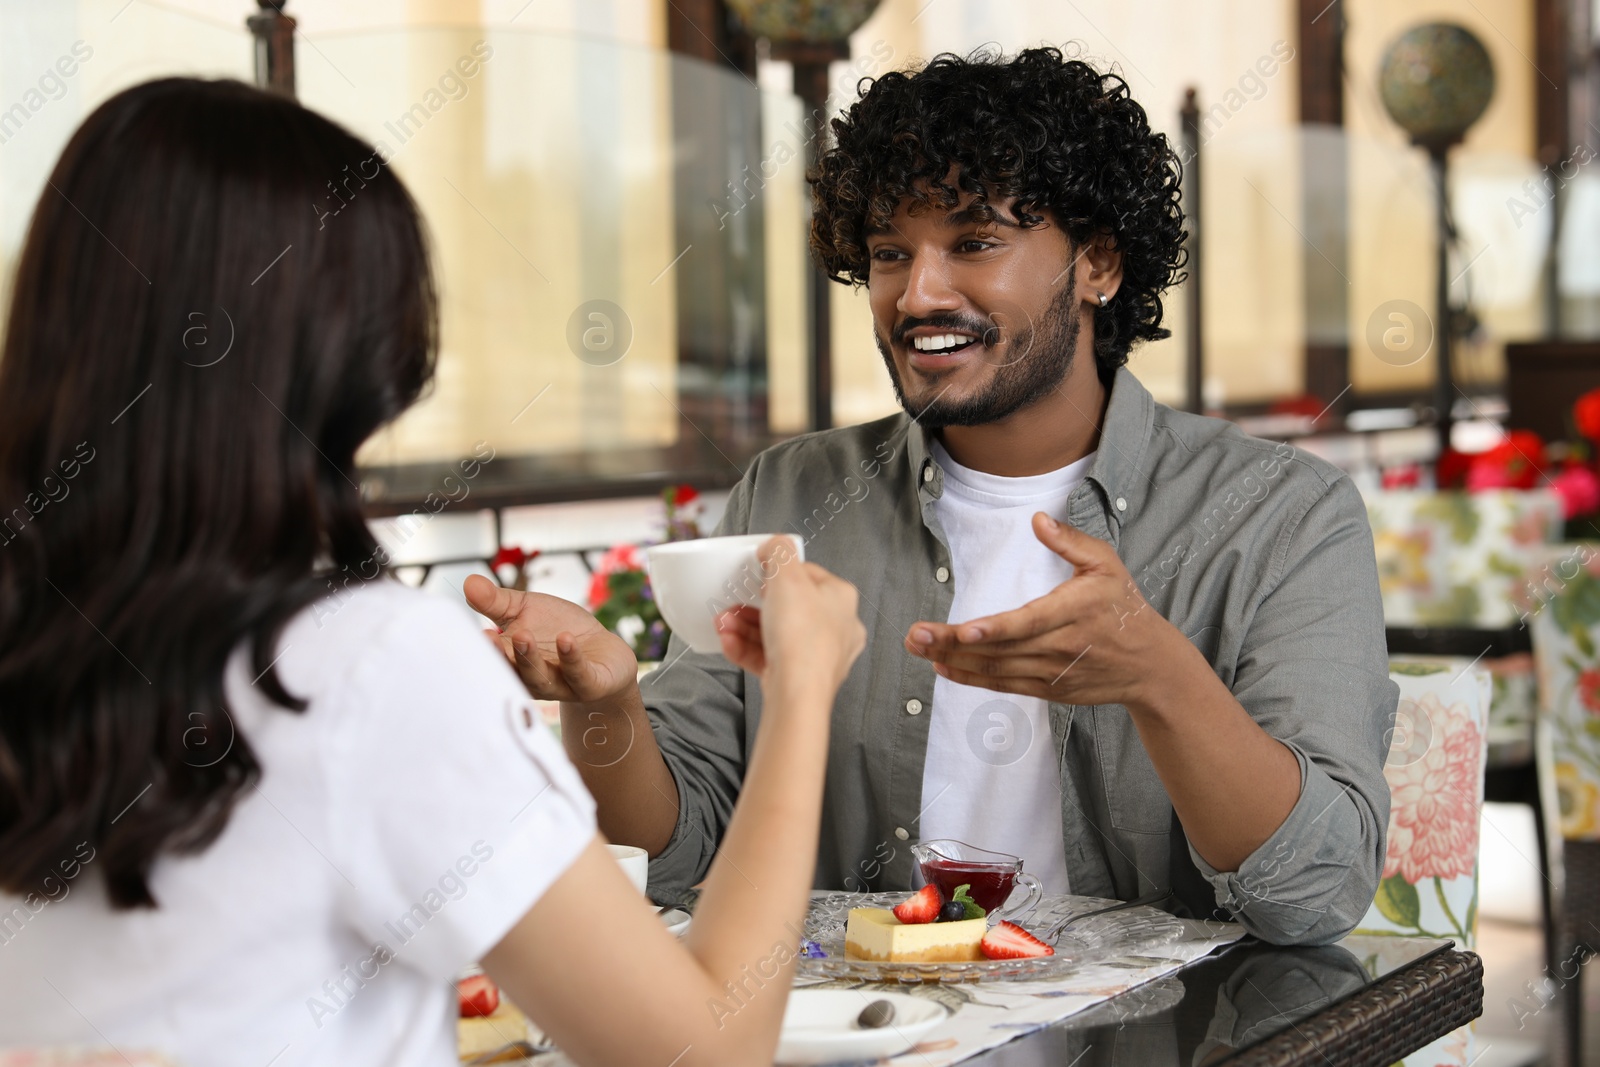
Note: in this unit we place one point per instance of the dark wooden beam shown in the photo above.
(810, 60)
(1321, 59)
(1320, 56)
(1194, 307)
(274, 47)
(707, 30)
(1552, 48)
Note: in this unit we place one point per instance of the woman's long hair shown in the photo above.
(221, 295)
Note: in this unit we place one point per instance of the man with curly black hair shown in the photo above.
(1135, 647)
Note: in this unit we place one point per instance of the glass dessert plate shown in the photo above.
(1136, 931)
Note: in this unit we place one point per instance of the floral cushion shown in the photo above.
(1561, 599)
(1437, 753)
(1435, 772)
(1455, 559)
(1515, 703)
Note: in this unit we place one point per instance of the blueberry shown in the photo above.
(952, 911)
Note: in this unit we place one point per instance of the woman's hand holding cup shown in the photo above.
(805, 633)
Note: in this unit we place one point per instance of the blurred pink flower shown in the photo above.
(1433, 818)
(612, 561)
(1579, 489)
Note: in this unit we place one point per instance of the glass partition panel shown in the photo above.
(602, 265)
(599, 216)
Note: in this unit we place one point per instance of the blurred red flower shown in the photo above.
(684, 494)
(1451, 471)
(1402, 476)
(1586, 414)
(1589, 689)
(1517, 462)
(516, 557)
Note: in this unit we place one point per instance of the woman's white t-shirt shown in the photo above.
(401, 826)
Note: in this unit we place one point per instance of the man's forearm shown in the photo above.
(1231, 783)
(615, 751)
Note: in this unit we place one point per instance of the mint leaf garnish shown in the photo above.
(974, 911)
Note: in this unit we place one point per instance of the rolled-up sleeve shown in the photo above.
(1314, 674)
(696, 703)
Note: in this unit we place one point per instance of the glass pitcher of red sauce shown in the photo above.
(991, 877)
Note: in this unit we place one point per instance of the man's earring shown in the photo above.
(1104, 299)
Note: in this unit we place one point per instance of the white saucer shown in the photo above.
(819, 1026)
(677, 919)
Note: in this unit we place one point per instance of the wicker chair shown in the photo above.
(1562, 602)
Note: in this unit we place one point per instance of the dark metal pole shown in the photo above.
(1194, 351)
(1444, 391)
(274, 41)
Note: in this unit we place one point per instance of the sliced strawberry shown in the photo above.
(478, 995)
(922, 908)
(1008, 941)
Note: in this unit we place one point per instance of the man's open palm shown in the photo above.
(558, 649)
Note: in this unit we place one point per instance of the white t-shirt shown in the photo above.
(991, 777)
(402, 824)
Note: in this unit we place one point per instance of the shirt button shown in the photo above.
(942, 574)
(900, 832)
(1122, 505)
(927, 472)
(913, 706)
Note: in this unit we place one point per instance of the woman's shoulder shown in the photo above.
(380, 633)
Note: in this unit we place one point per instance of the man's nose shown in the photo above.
(928, 288)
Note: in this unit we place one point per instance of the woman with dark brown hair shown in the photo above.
(243, 821)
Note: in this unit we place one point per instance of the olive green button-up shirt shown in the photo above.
(1260, 554)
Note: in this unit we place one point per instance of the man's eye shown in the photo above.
(887, 254)
(973, 245)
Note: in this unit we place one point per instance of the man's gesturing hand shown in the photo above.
(1091, 640)
(558, 649)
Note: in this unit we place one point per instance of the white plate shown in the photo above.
(819, 1025)
(677, 919)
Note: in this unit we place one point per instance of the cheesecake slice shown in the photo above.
(875, 934)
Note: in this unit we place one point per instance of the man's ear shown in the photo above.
(1099, 269)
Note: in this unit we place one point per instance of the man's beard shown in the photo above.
(1047, 352)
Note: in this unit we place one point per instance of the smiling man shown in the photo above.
(1135, 647)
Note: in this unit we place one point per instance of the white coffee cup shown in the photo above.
(635, 863)
(695, 581)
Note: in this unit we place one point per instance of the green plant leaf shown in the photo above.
(1413, 669)
(1397, 901)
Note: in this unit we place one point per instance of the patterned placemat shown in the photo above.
(984, 1015)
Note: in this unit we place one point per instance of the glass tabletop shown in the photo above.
(1215, 1007)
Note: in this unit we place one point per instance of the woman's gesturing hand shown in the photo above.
(806, 629)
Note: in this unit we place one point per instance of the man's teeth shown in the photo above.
(940, 342)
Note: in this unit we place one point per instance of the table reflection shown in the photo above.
(1215, 1007)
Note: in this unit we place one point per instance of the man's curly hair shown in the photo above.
(1053, 132)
